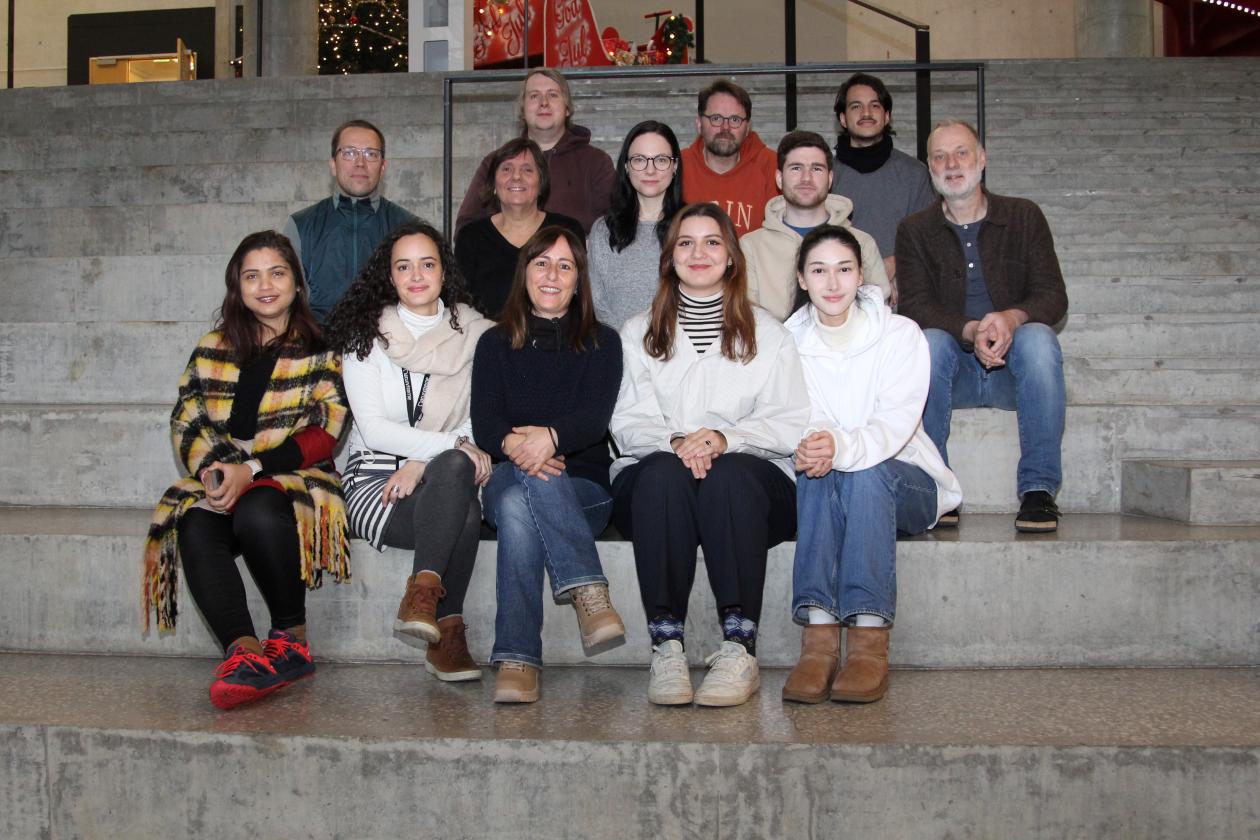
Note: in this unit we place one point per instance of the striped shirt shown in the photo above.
(701, 319)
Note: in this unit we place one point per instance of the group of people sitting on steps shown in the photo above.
(696, 345)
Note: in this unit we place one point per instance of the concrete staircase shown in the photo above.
(118, 209)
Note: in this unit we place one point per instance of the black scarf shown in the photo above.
(866, 159)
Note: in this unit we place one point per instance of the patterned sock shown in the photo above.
(663, 628)
(737, 628)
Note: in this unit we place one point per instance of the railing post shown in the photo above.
(789, 58)
(699, 33)
(922, 89)
(448, 152)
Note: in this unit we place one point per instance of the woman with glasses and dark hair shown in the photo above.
(711, 406)
(544, 384)
(408, 335)
(867, 470)
(259, 411)
(487, 248)
(625, 245)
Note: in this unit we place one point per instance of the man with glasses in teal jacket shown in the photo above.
(335, 236)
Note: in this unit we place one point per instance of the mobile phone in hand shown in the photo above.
(213, 479)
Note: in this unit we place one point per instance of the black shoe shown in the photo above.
(1038, 514)
(948, 520)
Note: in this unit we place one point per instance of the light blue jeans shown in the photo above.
(548, 525)
(846, 537)
(1030, 384)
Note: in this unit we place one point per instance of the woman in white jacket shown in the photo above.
(712, 402)
(866, 470)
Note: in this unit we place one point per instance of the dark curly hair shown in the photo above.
(355, 321)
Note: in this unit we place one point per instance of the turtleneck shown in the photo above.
(701, 319)
(867, 158)
(547, 333)
(841, 337)
(418, 325)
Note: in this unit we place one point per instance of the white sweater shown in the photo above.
(870, 397)
(378, 401)
(761, 407)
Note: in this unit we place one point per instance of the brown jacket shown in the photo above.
(1016, 254)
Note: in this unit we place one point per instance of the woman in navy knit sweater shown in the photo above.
(544, 385)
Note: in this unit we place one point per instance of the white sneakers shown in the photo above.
(733, 676)
(669, 681)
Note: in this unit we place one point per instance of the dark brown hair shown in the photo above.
(509, 150)
(730, 89)
(241, 327)
(354, 323)
(739, 326)
(336, 138)
(583, 327)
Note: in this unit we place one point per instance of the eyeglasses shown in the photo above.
(640, 162)
(350, 153)
(716, 120)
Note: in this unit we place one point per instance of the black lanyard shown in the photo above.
(415, 410)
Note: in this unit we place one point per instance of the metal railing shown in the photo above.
(475, 77)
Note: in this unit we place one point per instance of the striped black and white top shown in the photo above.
(701, 320)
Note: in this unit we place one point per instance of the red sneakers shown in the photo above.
(243, 678)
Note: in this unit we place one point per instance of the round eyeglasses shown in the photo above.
(640, 162)
(716, 120)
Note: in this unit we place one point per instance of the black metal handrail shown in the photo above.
(450, 80)
(922, 55)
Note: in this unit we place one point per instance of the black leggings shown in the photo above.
(444, 511)
(263, 529)
(743, 507)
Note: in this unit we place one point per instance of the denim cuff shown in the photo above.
(496, 658)
(800, 610)
(561, 588)
(848, 617)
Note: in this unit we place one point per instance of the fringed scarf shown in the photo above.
(304, 391)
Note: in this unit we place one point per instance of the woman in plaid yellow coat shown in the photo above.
(260, 407)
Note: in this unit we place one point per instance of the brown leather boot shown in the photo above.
(598, 622)
(810, 680)
(449, 660)
(417, 614)
(864, 677)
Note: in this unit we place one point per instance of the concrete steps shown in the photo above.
(1203, 492)
(89, 442)
(955, 754)
(1046, 600)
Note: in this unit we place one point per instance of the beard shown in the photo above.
(722, 144)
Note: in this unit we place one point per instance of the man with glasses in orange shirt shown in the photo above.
(728, 164)
(334, 237)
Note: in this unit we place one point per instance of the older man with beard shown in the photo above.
(804, 173)
(728, 164)
(978, 272)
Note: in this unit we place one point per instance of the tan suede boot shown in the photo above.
(810, 680)
(864, 677)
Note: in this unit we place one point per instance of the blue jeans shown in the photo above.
(1030, 384)
(541, 524)
(846, 537)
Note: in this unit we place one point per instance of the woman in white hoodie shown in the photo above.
(711, 404)
(866, 470)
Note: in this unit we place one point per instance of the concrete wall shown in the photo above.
(39, 49)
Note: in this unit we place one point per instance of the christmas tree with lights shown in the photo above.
(362, 36)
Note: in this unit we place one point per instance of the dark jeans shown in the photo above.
(736, 513)
(263, 529)
(441, 521)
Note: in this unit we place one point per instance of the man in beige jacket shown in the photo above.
(804, 175)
